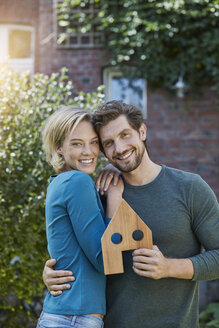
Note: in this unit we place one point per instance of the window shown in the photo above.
(17, 46)
(71, 29)
(130, 90)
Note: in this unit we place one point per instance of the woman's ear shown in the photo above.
(59, 150)
(143, 132)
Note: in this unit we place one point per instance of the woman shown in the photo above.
(75, 220)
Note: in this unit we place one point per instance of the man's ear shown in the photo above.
(143, 132)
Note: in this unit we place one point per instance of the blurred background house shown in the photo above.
(182, 132)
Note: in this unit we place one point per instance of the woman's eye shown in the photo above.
(76, 144)
(96, 142)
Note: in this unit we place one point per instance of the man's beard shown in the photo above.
(129, 167)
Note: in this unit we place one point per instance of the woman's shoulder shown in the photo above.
(76, 178)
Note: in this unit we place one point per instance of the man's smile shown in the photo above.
(126, 155)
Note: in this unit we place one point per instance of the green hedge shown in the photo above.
(25, 102)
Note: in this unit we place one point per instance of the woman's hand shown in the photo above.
(114, 197)
(55, 280)
(108, 175)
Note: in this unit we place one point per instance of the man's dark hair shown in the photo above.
(112, 110)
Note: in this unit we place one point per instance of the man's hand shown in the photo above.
(106, 176)
(55, 280)
(150, 263)
(153, 264)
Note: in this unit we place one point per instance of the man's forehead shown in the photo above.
(114, 127)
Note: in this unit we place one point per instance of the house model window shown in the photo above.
(71, 32)
(130, 90)
(17, 47)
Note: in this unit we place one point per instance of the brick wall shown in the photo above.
(19, 12)
(185, 133)
(84, 65)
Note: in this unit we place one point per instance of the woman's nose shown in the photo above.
(86, 150)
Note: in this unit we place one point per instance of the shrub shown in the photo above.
(25, 102)
(210, 317)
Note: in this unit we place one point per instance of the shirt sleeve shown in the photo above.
(205, 221)
(87, 216)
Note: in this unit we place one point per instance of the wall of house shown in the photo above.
(23, 12)
(84, 65)
(181, 133)
(19, 12)
(185, 133)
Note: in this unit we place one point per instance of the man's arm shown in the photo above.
(204, 211)
(55, 280)
(151, 263)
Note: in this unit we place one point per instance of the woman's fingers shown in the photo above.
(105, 178)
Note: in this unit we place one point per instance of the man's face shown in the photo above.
(123, 145)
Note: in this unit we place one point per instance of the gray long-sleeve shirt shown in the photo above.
(183, 214)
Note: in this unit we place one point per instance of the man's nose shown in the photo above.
(119, 147)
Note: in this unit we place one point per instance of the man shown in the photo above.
(159, 288)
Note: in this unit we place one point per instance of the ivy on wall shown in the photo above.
(161, 39)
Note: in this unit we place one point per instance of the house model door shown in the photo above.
(125, 231)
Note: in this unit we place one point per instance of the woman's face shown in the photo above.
(80, 148)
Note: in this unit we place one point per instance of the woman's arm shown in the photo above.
(57, 280)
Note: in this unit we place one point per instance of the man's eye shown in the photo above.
(96, 142)
(108, 144)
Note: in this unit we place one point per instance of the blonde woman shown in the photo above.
(75, 220)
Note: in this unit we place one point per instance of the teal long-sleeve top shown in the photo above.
(74, 225)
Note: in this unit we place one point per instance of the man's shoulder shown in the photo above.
(182, 180)
(181, 174)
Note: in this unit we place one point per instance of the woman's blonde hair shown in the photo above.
(56, 128)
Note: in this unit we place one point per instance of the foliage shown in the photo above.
(161, 39)
(210, 317)
(25, 102)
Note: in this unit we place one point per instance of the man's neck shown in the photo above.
(145, 173)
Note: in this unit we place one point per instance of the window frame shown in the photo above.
(109, 74)
(78, 35)
(20, 64)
